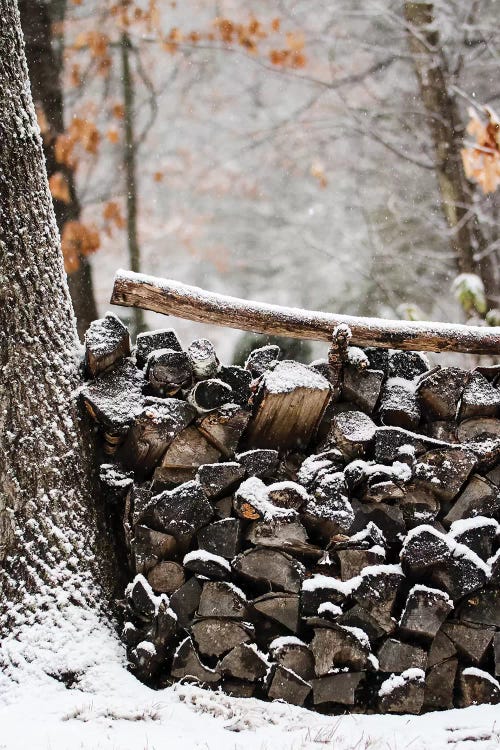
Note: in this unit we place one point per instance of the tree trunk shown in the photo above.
(466, 238)
(130, 173)
(45, 66)
(50, 549)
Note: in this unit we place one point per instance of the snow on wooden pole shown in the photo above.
(173, 298)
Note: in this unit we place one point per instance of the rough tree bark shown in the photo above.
(45, 65)
(50, 595)
(466, 238)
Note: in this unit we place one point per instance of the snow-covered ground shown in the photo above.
(125, 715)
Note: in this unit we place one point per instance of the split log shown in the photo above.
(251, 502)
(244, 662)
(471, 642)
(152, 431)
(203, 359)
(208, 395)
(393, 443)
(407, 365)
(424, 613)
(337, 688)
(280, 607)
(353, 432)
(218, 480)
(215, 637)
(272, 567)
(288, 535)
(262, 359)
(481, 609)
(184, 602)
(151, 546)
(287, 686)
(224, 427)
(141, 598)
(399, 405)
(440, 685)
(403, 694)
(259, 462)
(353, 561)
(418, 505)
(293, 654)
(152, 341)
(441, 650)
(329, 511)
(239, 380)
(107, 341)
(145, 661)
(166, 577)
(496, 650)
(479, 498)
(206, 564)
(359, 617)
(479, 534)
(477, 687)
(115, 482)
(319, 589)
(172, 298)
(362, 387)
(388, 518)
(337, 646)
(168, 371)
(289, 406)
(187, 665)
(479, 399)
(377, 592)
(221, 537)
(444, 472)
(221, 599)
(441, 392)
(396, 656)
(181, 511)
(187, 452)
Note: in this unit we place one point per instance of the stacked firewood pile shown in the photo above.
(325, 535)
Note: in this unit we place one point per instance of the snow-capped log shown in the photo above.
(221, 599)
(353, 432)
(203, 359)
(294, 654)
(219, 479)
(216, 636)
(168, 371)
(187, 663)
(399, 405)
(181, 511)
(407, 365)
(337, 646)
(207, 395)
(206, 564)
(239, 380)
(151, 341)
(272, 567)
(173, 298)
(262, 359)
(244, 662)
(424, 612)
(259, 462)
(289, 405)
(404, 693)
(287, 686)
(441, 391)
(362, 387)
(477, 686)
(152, 431)
(222, 537)
(107, 341)
(479, 398)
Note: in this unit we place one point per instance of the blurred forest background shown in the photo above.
(341, 156)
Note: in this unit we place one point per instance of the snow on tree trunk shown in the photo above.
(50, 599)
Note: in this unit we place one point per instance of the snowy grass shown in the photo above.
(113, 711)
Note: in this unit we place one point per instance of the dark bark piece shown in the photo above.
(442, 648)
(187, 665)
(203, 359)
(471, 642)
(403, 694)
(418, 505)
(362, 387)
(441, 392)
(425, 611)
(289, 405)
(215, 637)
(483, 608)
(444, 472)
(151, 341)
(320, 589)
(166, 577)
(477, 687)
(244, 662)
(407, 365)
(287, 495)
(183, 510)
(187, 452)
(395, 656)
(107, 341)
(206, 564)
(150, 546)
(359, 617)
(115, 482)
(272, 567)
(224, 427)
(293, 654)
(440, 685)
(496, 650)
(208, 395)
(141, 598)
(167, 371)
(287, 686)
(479, 498)
(377, 592)
(394, 443)
(480, 398)
(338, 646)
(145, 661)
(115, 397)
(221, 537)
(378, 358)
(218, 480)
(259, 462)
(238, 688)
(263, 358)
(479, 534)
(251, 502)
(184, 602)
(224, 508)
(163, 627)
(239, 381)
(337, 688)
(314, 467)
(353, 432)
(329, 511)
(170, 297)
(353, 561)
(282, 608)
(399, 405)
(388, 518)
(220, 599)
(131, 635)
(152, 431)
(288, 535)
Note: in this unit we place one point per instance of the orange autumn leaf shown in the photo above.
(77, 240)
(112, 215)
(275, 24)
(63, 150)
(59, 187)
(118, 111)
(113, 135)
(158, 176)
(481, 160)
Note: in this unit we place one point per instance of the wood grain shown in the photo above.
(173, 298)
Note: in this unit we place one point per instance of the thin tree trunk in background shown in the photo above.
(130, 172)
(45, 64)
(466, 238)
(50, 547)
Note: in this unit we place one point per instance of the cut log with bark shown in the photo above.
(215, 636)
(208, 395)
(362, 387)
(224, 427)
(166, 577)
(262, 359)
(168, 371)
(151, 341)
(221, 537)
(107, 341)
(287, 686)
(399, 405)
(280, 607)
(187, 665)
(187, 452)
(244, 662)
(272, 567)
(221, 599)
(203, 359)
(337, 688)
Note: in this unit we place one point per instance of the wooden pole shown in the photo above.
(173, 298)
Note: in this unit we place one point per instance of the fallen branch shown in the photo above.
(173, 298)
